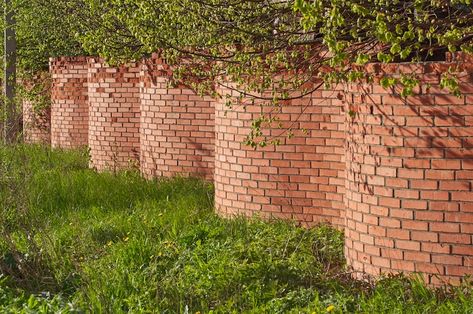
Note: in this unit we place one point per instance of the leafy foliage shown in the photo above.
(270, 50)
(273, 51)
(45, 29)
(255, 39)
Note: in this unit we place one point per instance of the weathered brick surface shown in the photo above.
(114, 115)
(36, 124)
(69, 107)
(301, 179)
(409, 200)
(177, 126)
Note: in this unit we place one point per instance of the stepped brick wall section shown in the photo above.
(409, 200)
(36, 124)
(177, 127)
(114, 119)
(69, 107)
(301, 179)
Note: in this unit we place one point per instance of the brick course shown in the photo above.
(177, 126)
(114, 115)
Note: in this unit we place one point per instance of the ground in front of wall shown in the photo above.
(74, 241)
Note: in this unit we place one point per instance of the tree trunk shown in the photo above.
(11, 117)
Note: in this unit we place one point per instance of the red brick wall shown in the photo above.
(301, 179)
(69, 107)
(409, 177)
(114, 115)
(396, 173)
(36, 124)
(177, 127)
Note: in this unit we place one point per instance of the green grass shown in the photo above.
(74, 241)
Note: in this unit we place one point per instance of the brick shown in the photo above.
(416, 164)
(436, 248)
(376, 231)
(429, 268)
(415, 225)
(459, 271)
(389, 202)
(379, 261)
(417, 256)
(418, 142)
(401, 213)
(459, 217)
(398, 234)
(407, 245)
(464, 175)
(410, 194)
(410, 173)
(454, 185)
(462, 250)
(392, 253)
(386, 172)
(405, 266)
(447, 259)
(389, 223)
(446, 164)
(434, 195)
(445, 227)
(424, 236)
(429, 153)
(455, 238)
(461, 196)
(423, 184)
(396, 182)
(414, 204)
(449, 100)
